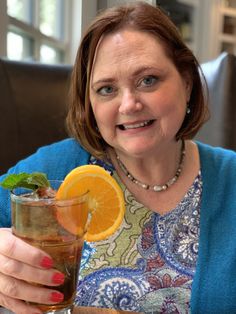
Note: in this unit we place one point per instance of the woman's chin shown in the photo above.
(137, 150)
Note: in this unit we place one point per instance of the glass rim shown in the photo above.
(46, 201)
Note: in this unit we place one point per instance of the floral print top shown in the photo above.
(148, 265)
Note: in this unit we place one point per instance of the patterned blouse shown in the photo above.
(149, 263)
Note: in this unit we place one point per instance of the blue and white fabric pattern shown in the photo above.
(149, 263)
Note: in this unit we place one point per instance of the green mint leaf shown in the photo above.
(15, 180)
(25, 180)
(39, 179)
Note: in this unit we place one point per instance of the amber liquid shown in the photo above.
(38, 226)
(66, 257)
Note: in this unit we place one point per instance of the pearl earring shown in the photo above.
(188, 110)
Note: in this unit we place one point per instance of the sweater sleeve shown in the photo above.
(55, 160)
(214, 285)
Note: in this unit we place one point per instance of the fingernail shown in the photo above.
(58, 278)
(56, 297)
(46, 262)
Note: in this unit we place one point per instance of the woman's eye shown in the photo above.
(148, 81)
(105, 90)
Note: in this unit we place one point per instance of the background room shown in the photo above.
(49, 30)
(39, 39)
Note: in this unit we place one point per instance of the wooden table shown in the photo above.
(93, 310)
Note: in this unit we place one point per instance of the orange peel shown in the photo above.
(105, 205)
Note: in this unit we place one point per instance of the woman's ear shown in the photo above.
(188, 86)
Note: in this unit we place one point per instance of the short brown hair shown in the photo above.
(144, 17)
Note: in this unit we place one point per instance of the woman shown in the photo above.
(137, 102)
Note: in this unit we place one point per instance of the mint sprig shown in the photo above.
(31, 181)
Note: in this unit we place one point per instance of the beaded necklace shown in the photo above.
(156, 187)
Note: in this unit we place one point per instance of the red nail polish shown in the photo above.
(58, 278)
(46, 262)
(56, 297)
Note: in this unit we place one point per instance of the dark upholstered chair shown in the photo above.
(220, 74)
(33, 106)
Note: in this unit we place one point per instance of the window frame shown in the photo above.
(8, 23)
(78, 14)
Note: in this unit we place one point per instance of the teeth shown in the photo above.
(137, 125)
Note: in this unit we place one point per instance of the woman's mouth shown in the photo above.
(135, 125)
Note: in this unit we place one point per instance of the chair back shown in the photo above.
(33, 108)
(220, 75)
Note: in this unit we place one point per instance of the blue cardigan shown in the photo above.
(214, 285)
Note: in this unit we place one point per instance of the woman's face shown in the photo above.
(137, 95)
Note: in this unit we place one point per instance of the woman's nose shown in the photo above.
(129, 103)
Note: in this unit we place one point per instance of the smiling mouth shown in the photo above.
(135, 125)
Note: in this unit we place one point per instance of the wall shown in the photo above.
(3, 27)
(82, 13)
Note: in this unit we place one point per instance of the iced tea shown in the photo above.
(37, 221)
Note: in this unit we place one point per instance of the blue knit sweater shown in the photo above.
(214, 285)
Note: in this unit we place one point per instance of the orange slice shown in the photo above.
(105, 202)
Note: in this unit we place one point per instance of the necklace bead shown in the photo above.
(156, 187)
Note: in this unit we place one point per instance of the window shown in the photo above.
(37, 30)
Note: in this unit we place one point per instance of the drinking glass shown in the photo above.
(57, 227)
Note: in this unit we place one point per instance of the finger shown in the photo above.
(29, 273)
(17, 306)
(18, 249)
(19, 289)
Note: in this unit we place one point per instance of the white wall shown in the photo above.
(3, 27)
(82, 14)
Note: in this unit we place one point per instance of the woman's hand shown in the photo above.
(20, 263)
